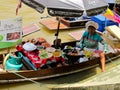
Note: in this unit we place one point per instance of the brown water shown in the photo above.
(7, 10)
(53, 82)
(29, 15)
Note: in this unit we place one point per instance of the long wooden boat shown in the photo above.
(52, 23)
(13, 77)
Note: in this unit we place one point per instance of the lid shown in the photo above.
(29, 46)
(50, 49)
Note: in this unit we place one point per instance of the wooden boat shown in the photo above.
(25, 75)
(52, 23)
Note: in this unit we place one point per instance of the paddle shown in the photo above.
(57, 42)
(40, 85)
(13, 71)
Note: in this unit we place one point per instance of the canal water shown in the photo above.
(50, 83)
(29, 15)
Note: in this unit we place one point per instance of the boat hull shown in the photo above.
(12, 77)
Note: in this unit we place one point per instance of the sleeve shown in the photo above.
(80, 44)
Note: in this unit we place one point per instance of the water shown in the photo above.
(23, 86)
(48, 83)
(7, 10)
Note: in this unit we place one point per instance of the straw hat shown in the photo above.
(92, 23)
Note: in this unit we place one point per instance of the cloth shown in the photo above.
(33, 56)
(92, 52)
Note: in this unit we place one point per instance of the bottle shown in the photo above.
(105, 47)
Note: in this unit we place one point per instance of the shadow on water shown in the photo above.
(73, 78)
(68, 79)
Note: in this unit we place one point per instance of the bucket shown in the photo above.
(14, 62)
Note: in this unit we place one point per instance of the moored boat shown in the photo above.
(26, 74)
(66, 23)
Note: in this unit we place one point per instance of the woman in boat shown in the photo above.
(91, 39)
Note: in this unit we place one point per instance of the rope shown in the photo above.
(12, 71)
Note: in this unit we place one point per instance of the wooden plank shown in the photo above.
(77, 35)
(114, 30)
(52, 24)
(30, 29)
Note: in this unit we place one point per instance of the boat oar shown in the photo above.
(35, 82)
(111, 59)
(12, 71)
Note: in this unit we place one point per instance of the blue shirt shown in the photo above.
(90, 41)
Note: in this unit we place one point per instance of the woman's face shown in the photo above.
(91, 30)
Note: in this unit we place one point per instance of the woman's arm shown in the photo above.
(81, 44)
(100, 33)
